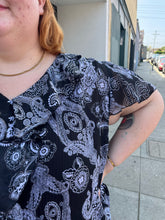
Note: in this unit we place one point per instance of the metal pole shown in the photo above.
(155, 35)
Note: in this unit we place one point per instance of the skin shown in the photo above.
(24, 15)
(19, 45)
(144, 120)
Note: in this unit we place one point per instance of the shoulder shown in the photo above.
(107, 68)
(79, 78)
(73, 64)
(71, 67)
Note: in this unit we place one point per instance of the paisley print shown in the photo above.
(3, 128)
(15, 157)
(54, 140)
(46, 151)
(78, 177)
(73, 122)
(17, 184)
(19, 112)
(52, 211)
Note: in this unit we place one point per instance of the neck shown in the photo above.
(15, 48)
(17, 55)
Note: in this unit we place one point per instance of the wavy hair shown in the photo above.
(50, 32)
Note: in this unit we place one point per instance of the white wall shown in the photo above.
(84, 28)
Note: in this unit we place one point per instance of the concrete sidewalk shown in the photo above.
(137, 186)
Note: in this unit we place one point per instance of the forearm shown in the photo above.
(130, 136)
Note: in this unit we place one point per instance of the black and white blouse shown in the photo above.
(54, 140)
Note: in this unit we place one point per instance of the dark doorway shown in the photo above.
(122, 45)
(131, 64)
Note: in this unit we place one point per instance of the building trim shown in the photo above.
(107, 31)
(126, 12)
(109, 34)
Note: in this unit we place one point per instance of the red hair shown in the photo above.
(50, 32)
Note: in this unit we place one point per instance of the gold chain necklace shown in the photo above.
(17, 74)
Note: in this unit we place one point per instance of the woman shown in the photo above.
(54, 114)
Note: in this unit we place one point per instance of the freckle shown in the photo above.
(20, 21)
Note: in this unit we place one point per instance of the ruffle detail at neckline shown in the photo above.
(29, 110)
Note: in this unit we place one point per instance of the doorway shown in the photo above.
(122, 45)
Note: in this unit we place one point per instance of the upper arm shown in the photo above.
(155, 99)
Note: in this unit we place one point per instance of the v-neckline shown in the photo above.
(30, 87)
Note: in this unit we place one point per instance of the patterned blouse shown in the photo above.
(54, 140)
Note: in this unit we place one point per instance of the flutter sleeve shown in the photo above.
(125, 87)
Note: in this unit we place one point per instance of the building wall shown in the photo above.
(115, 35)
(84, 28)
(109, 22)
(92, 28)
(132, 8)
